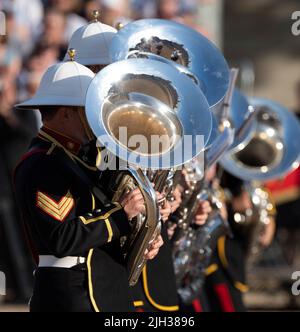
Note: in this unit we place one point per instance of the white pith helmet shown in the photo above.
(63, 84)
(92, 42)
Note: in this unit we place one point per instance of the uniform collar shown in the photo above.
(67, 142)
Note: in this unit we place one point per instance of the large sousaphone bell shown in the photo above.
(180, 44)
(271, 149)
(147, 98)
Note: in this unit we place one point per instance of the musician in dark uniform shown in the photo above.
(72, 227)
(226, 277)
(225, 282)
(92, 43)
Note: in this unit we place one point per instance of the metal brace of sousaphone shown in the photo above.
(268, 153)
(147, 98)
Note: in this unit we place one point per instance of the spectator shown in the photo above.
(69, 8)
(168, 9)
(9, 55)
(114, 11)
(55, 25)
(34, 68)
(182, 11)
(89, 7)
(28, 17)
(143, 9)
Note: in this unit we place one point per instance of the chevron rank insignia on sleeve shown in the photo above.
(57, 210)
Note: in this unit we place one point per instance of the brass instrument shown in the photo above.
(195, 179)
(219, 143)
(269, 152)
(192, 245)
(199, 246)
(193, 252)
(183, 46)
(147, 98)
(272, 148)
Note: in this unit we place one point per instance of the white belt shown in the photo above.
(66, 262)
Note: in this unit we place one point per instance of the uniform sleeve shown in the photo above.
(52, 198)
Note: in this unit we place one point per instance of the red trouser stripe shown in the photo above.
(224, 297)
(197, 306)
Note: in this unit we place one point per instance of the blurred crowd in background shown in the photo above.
(37, 36)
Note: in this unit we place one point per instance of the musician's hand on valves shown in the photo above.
(204, 210)
(133, 203)
(154, 248)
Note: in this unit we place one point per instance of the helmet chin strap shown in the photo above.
(87, 129)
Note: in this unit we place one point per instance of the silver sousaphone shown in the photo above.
(268, 153)
(182, 45)
(147, 98)
(271, 149)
